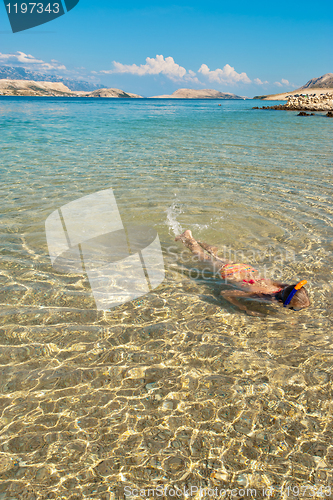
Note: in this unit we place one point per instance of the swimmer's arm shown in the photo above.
(279, 285)
(231, 296)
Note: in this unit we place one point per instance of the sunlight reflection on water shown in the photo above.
(177, 387)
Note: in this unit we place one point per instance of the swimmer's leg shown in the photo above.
(213, 251)
(197, 246)
(188, 240)
(197, 250)
(209, 248)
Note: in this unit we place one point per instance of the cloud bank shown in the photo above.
(167, 66)
(29, 62)
(158, 65)
(155, 66)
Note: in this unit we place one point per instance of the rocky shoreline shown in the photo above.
(308, 102)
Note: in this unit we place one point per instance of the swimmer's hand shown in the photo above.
(230, 296)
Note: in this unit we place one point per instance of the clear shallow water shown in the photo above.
(178, 387)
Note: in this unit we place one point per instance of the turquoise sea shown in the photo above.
(179, 388)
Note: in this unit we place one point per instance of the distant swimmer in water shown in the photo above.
(246, 279)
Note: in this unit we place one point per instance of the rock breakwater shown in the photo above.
(308, 102)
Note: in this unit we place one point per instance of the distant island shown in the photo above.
(318, 86)
(55, 89)
(199, 94)
(23, 87)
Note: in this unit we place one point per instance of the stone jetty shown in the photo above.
(306, 102)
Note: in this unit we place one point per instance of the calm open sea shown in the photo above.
(178, 388)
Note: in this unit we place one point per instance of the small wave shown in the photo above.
(172, 212)
(200, 226)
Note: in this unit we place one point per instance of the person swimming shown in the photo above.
(247, 279)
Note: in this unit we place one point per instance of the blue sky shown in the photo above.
(244, 47)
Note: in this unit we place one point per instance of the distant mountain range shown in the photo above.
(17, 73)
(323, 82)
(199, 94)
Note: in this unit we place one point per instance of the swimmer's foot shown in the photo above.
(186, 235)
(187, 239)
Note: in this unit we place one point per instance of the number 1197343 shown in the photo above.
(30, 8)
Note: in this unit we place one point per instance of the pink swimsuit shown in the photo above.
(230, 269)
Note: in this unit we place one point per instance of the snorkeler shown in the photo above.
(247, 279)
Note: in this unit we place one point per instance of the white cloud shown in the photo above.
(29, 62)
(155, 66)
(259, 82)
(283, 83)
(167, 66)
(226, 75)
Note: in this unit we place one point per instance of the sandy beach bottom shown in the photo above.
(177, 388)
